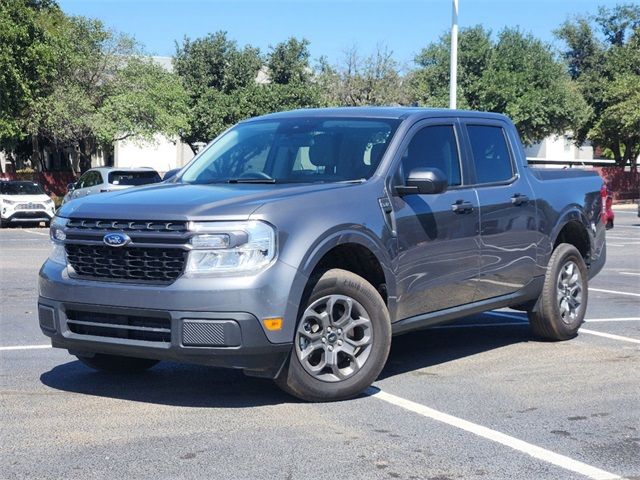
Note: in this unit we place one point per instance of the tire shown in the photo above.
(338, 355)
(117, 363)
(563, 302)
(3, 223)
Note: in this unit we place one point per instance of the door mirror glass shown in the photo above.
(424, 181)
(71, 187)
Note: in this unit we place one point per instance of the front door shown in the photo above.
(438, 253)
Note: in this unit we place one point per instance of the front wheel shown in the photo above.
(117, 363)
(342, 340)
(563, 302)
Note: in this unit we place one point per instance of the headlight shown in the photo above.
(48, 202)
(8, 202)
(230, 247)
(58, 236)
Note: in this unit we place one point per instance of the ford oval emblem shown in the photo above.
(116, 239)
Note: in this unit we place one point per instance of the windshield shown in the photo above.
(133, 178)
(295, 150)
(20, 188)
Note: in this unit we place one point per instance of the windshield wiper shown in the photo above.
(251, 180)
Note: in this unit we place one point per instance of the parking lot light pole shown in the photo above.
(454, 55)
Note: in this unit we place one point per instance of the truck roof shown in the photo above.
(379, 112)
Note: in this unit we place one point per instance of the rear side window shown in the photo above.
(490, 153)
(133, 178)
(434, 147)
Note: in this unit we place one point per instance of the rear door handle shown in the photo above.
(519, 199)
(462, 207)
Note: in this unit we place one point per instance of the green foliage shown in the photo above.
(141, 100)
(27, 61)
(429, 84)
(288, 62)
(71, 82)
(221, 82)
(517, 75)
(358, 81)
(606, 69)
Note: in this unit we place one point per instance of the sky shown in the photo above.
(332, 26)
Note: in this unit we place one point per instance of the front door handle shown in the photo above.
(519, 199)
(462, 207)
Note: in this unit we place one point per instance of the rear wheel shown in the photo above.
(342, 340)
(117, 363)
(563, 302)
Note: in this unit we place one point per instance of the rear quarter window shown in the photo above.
(133, 178)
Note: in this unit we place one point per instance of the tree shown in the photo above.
(104, 91)
(606, 69)
(429, 84)
(70, 82)
(517, 75)
(220, 79)
(27, 62)
(288, 62)
(358, 80)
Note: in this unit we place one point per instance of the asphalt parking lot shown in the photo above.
(478, 399)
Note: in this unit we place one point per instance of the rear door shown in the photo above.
(508, 221)
(438, 254)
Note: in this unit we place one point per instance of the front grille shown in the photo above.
(30, 206)
(158, 265)
(113, 325)
(127, 225)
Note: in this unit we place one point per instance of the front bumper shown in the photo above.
(242, 301)
(25, 216)
(229, 339)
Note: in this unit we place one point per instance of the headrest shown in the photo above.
(322, 153)
(376, 154)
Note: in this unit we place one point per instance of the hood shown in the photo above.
(169, 201)
(38, 198)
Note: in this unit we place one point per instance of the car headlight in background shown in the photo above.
(230, 247)
(8, 202)
(57, 235)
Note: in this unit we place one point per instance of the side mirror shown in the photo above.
(171, 173)
(71, 186)
(424, 181)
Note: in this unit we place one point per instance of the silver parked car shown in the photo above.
(108, 179)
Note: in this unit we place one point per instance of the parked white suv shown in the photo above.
(24, 202)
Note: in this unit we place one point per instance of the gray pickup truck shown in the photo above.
(295, 245)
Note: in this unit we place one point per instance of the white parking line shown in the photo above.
(630, 273)
(591, 289)
(610, 336)
(582, 330)
(35, 233)
(495, 436)
(619, 319)
(25, 347)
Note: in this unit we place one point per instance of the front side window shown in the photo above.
(85, 180)
(295, 150)
(490, 153)
(434, 147)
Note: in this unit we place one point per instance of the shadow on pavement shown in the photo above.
(176, 384)
(169, 383)
(426, 348)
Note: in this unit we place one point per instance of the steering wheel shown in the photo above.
(260, 175)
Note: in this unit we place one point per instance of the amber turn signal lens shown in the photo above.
(272, 323)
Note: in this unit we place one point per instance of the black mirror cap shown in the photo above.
(424, 181)
(171, 173)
